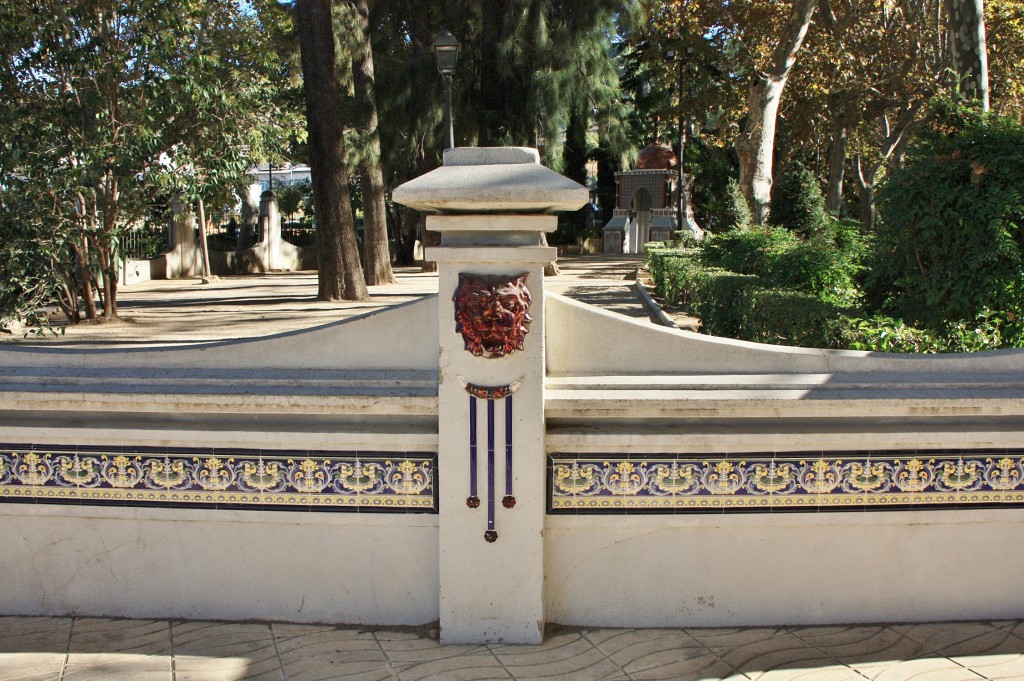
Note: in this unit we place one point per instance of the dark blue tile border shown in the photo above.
(355, 481)
(784, 481)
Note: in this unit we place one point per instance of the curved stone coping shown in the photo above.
(736, 436)
(405, 338)
(881, 392)
(381, 382)
(652, 305)
(585, 340)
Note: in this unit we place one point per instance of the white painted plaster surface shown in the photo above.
(482, 180)
(613, 385)
(184, 563)
(478, 156)
(618, 385)
(775, 569)
(491, 222)
(491, 592)
(586, 340)
(403, 337)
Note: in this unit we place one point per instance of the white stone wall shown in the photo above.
(323, 389)
(613, 389)
(218, 564)
(774, 569)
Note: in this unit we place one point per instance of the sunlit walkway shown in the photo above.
(186, 311)
(63, 649)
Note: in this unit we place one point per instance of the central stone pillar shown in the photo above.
(492, 205)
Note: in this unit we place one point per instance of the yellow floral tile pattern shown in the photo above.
(818, 481)
(258, 479)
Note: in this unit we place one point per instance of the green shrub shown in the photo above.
(710, 293)
(669, 268)
(797, 202)
(684, 238)
(880, 334)
(826, 265)
(735, 212)
(783, 317)
(987, 331)
(748, 252)
(714, 296)
(820, 266)
(951, 240)
(773, 309)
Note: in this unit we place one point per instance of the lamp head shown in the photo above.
(446, 51)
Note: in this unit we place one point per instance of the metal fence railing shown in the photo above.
(143, 243)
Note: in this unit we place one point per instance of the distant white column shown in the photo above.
(270, 230)
(182, 258)
(493, 204)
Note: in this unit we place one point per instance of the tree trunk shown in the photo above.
(340, 275)
(756, 143)
(836, 168)
(866, 193)
(202, 242)
(87, 215)
(88, 297)
(966, 21)
(894, 139)
(574, 158)
(376, 257)
(106, 250)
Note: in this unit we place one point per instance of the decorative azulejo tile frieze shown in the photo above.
(256, 479)
(784, 481)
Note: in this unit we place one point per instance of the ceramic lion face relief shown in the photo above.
(491, 313)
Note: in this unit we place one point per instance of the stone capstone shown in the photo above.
(492, 180)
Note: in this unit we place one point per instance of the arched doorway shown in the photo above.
(640, 223)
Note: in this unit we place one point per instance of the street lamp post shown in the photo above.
(446, 51)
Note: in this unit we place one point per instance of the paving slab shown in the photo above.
(67, 649)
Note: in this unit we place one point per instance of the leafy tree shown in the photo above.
(683, 65)
(340, 274)
(756, 142)
(101, 101)
(860, 83)
(525, 69)
(292, 197)
(77, 88)
(224, 107)
(951, 243)
(1004, 21)
(376, 256)
(35, 269)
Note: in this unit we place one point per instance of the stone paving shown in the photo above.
(77, 649)
(186, 311)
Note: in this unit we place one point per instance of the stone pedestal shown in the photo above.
(182, 259)
(493, 205)
(270, 230)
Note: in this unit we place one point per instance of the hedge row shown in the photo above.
(737, 305)
(749, 307)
